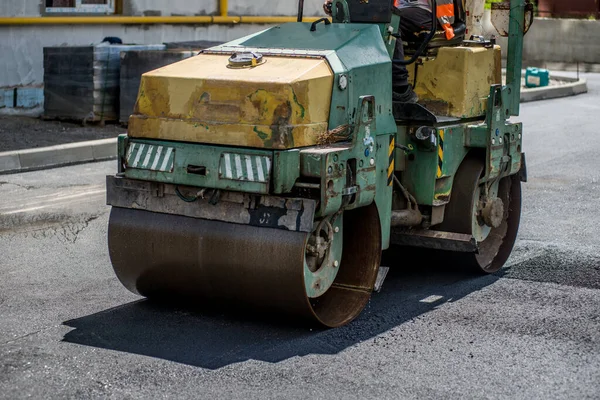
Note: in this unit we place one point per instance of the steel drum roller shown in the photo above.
(158, 255)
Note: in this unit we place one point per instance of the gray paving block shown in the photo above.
(553, 92)
(9, 161)
(104, 149)
(56, 155)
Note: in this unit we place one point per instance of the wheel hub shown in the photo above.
(323, 256)
(492, 212)
(318, 244)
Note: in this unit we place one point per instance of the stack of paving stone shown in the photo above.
(82, 83)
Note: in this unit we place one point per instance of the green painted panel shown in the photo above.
(340, 111)
(297, 35)
(368, 61)
(514, 59)
(431, 165)
(421, 169)
(121, 146)
(218, 167)
(331, 164)
(451, 149)
(477, 136)
(503, 152)
(286, 170)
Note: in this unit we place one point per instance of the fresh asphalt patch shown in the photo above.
(555, 264)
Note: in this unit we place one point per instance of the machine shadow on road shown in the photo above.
(213, 339)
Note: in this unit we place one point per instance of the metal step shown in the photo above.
(438, 240)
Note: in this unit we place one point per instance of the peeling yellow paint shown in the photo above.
(457, 81)
(442, 195)
(261, 136)
(281, 103)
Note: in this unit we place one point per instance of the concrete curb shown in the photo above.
(572, 88)
(57, 156)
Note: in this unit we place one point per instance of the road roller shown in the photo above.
(272, 171)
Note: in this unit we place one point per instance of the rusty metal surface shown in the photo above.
(237, 207)
(159, 255)
(407, 217)
(431, 239)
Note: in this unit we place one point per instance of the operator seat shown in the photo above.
(439, 39)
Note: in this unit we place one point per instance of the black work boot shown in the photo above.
(406, 96)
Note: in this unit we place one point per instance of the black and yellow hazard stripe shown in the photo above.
(440, 152)
(391, 149)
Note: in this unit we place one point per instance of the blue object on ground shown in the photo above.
(537, 77)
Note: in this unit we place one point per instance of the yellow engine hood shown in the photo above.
(281, 103)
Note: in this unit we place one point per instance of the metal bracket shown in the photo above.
(347, 191)
(480, 41)
(523, 170)
(381, 274)
(343, 7)
(158, 189)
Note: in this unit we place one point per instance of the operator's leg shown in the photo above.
(400, 77)
(412, 21)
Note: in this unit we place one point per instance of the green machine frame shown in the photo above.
(378, 149)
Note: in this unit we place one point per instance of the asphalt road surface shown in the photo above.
(68, 329)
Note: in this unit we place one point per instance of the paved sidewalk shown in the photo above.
(28, 144)
(59, 155)
(20, 133)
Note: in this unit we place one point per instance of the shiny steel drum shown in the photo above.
(158, 255)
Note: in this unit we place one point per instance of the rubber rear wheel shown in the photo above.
(463, 215)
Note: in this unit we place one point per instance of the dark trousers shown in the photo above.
(412, 21)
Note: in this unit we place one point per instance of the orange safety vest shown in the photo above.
(445, 14)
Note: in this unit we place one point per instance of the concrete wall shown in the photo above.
(271, 7)
(208, 7)
(170, 7)
(563, 40)
(19, 8)
(24, 66)
(556, 41)
(29, 8)
(10, 8)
